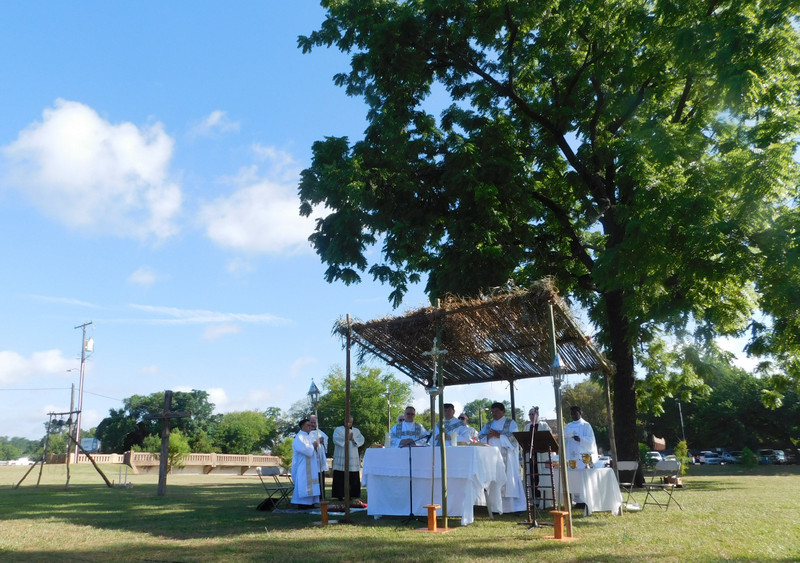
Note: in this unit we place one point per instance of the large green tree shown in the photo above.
(371, 412)
(246, 432)
(128, 427)
(640, 153)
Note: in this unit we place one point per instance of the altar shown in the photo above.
(471, 470)
(597, 488)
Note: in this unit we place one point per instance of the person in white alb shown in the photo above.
(317, 434)
(500, 432)
(469, 431)
(579, 438)
(305, 467)
(452, 425)
(408, 432)
(352, 438)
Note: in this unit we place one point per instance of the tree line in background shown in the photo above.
(722, 406)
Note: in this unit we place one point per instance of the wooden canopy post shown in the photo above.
(346, 518)
(556, 369)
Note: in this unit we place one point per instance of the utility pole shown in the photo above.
(84, 346)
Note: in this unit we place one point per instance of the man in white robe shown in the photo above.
(452, 425)
(469, 432)
(305, 467)
(499, 432)
(579, 438)
(322, 451)
(353, 439)
(408, 432)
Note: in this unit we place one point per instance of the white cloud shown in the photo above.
(15, 367)
(298, 365)
(216, 121)
(143, 276)
(218, 397)
(215, 331)
(199, 316)
(262, 214)
(88, 173)
(65, 301)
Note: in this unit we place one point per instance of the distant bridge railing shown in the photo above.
(146, 461)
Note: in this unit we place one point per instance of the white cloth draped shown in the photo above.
(514, 489)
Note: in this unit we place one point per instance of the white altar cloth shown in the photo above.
(597, 488)
(470, 470)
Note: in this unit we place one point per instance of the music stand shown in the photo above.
(533, 443)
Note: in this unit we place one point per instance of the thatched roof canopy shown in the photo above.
(499, 338)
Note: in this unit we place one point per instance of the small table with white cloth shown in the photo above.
(470, 471)
(597, 488)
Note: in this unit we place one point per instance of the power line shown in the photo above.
(37, 389)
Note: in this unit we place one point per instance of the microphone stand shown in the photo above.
(532, 463)
(411, 517)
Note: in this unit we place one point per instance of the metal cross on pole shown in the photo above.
(165, 416)
(437, 385)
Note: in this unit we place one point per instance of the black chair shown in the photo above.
(278, 492)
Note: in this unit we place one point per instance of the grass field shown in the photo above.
(730, 514)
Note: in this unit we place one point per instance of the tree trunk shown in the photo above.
(624, 379)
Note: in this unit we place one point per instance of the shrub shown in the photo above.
(749, 458)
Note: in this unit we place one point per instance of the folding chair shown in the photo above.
(627, 478)
(663, 480)
(278, 492)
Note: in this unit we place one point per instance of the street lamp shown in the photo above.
(313, 397)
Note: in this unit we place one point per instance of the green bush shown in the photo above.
(682, 453)
(749, 458)
(178, 448)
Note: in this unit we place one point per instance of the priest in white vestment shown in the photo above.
(305, 467)
(579, 438)
(408, 432)
(452, 425)
(499, 432)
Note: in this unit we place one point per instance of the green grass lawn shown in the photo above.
(729, 514)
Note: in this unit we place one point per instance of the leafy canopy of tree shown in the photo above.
(737, 409)
(641, 153)
(368, 402)
(591, 397)
(127, 427)
(247, 432)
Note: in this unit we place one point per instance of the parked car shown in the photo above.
(711, 458)
(780, 457)
(730, 457)
(654, 457)
(603, 461)
(767, 456)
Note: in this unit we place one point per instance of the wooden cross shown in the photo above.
(165, 416)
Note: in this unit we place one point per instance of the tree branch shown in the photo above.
(687, 87)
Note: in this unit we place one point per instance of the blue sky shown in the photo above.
(149, 155)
